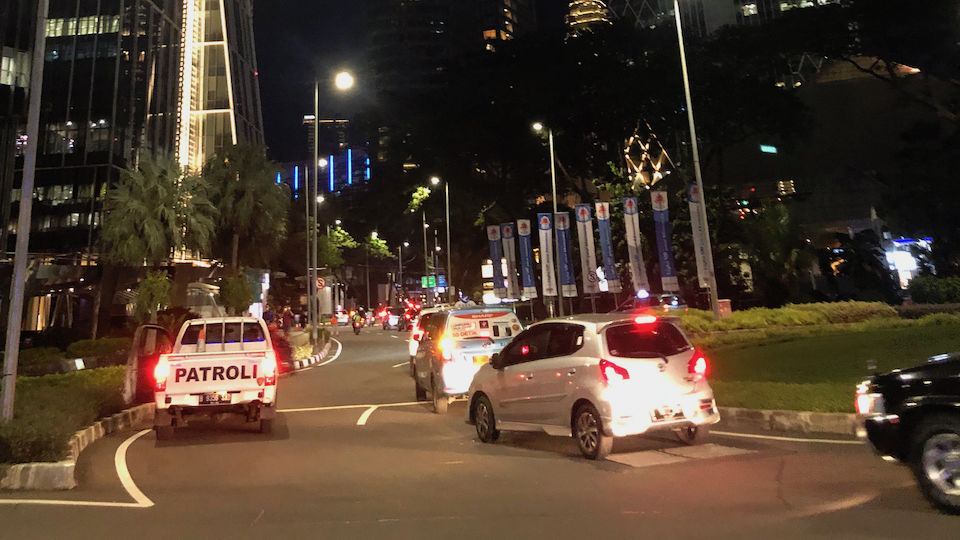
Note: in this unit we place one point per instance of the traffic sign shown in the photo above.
(321, 283)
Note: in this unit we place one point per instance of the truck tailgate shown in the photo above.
(213, 372)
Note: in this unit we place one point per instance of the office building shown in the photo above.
(501, 20)
(16, 44)
(584, 15)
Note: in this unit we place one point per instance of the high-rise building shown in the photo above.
(219, 95)
(505, 19)
(586, 14)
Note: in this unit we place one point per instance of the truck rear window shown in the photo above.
(232, 332)
(642, 340)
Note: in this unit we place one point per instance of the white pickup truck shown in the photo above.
(223, 365)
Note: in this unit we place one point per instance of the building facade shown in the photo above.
(16, 48)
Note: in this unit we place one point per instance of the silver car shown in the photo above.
(595, 377)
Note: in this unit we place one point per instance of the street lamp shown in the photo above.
(435, 180)
(320, 199)
(344, 80)
(539, 127)
(400, 262)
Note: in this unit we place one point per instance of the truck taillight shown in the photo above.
(698, 366)
(613, 372)
(269, 368)
(160, 374)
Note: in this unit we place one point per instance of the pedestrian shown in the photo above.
(287, 319)
(268, 314)
(334, 327)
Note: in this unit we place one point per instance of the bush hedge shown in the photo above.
(915, 311)
(109, 351)
(48, 410)
(698, 321)
(934, 290)
(38, 361)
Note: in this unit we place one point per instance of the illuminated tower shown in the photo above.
(219, 93)
(586, 13)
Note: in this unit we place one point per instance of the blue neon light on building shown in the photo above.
(368, 168)
(331, 173)
(296, 182)
(278, 179)
(349, 166)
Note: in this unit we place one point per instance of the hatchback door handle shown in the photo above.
(573, 371)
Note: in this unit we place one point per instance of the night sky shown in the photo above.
(300, 40)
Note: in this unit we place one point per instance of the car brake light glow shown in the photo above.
(698, 365)
(446, 348)
(269, 368)
(645, 319)
(613, 372)
(160, 374)
(417, 333)
(525, 349)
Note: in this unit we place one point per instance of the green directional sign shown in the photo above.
(431, 281)
(424, 282)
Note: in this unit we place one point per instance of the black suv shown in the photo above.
(913, 416)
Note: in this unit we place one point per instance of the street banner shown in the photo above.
(704, 263)
(606, 248)
(510, 253)
(661, 221)
(588, 252)
(526, 259)
(631, 221)
(547, 262)
(496, 257)
(568, 281)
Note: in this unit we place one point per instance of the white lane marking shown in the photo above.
(788, 439)
(338, 407)
(334, 357)
(401, 364)
(120, 462)
(395, 337)
(362, 421)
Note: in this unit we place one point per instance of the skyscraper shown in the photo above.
(586, 14)
(16, 43)
(505, 19)
(219, 98)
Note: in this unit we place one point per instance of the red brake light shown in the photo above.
(160, 374)
(446, 348)
(613, 372)
(645, 319)
(269, 368)
(525, 349)
(698, 365)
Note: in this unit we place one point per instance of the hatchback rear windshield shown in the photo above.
(232, 332)
(644, 340)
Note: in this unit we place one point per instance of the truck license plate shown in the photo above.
(214, 399)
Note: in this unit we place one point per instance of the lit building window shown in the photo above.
(60, 138)
(750, 9)
(15, 68)
(105, 24)
(489, 34)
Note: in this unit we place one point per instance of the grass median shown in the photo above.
(818, 372)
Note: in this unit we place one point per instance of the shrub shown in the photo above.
(48, 410)
(109, 351)
(934, 290)
(849, 312)
(38, 361)
(915, 311)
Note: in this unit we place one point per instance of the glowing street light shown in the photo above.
(344, 80)
(435, 180)
(337, 222)
(322, 162)
(319, 199)
(539, 127)
(374, 235)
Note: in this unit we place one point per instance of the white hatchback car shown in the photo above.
(595, 377)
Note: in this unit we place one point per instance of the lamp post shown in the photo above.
(373, 236)
(539, 127)
(705, 237)
(426, 262)
(400, 262)
(446, 201)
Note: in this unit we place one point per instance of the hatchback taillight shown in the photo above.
(698, 366)
(612, 372)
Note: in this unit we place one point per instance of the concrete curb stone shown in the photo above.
(311, 360)
(60, 475)
(789, 421)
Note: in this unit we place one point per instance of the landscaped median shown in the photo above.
(812, 365)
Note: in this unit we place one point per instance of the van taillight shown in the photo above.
(612, 372)
(698, 365)
(269, 368)
(160, 374)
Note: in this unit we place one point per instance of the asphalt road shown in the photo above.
(400, 471)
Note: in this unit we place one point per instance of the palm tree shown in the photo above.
(253, 208)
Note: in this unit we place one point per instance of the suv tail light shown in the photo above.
(612, 372)
(698, 366)
(268, 368)
(446, 348)
(160, 373)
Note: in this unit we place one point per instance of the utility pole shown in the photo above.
(426, 262)
(556, 237)
(712, 275)
(17, 285)
(451, 293)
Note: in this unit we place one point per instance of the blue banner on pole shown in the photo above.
(496, 257)
(606, 248)
(568, 282)
(661, 221)
(526, 259)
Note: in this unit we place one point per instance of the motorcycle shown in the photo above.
(356, 327)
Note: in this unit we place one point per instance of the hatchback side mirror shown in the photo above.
(496, 361)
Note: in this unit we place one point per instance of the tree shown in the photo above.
(153, 295)
(235, 293)
(778, 251)
(253, 207)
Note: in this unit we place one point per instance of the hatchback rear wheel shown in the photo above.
(588, 431)
(693, 435)
(485, 421)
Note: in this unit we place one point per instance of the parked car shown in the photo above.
(417, 332)
(455, 344)
(596, 377)
(667, 302)
(911, 416)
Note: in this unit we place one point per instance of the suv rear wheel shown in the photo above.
(588, 431)
(440, 400)
(935, 459)
(420, 392)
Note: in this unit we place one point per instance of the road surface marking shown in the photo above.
(681, 454)
(395, 337)
(120, 462)
(339, 350)
(788, 439)
(401, 364)
(339, 407)
(362, 421)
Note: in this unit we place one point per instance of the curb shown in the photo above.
(60, 475)
(300, 364)
(789, 421)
